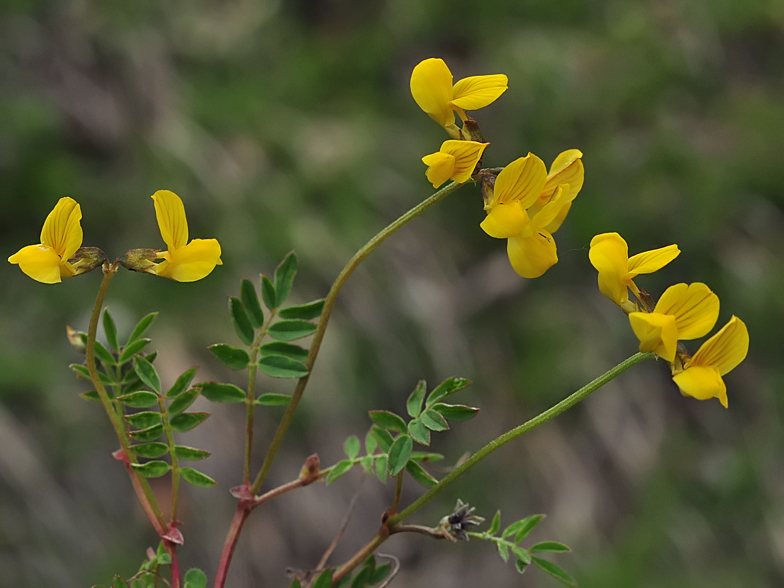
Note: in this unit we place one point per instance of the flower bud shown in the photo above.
(140, 260)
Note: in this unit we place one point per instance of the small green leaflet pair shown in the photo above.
(369, 574)
(148, 575)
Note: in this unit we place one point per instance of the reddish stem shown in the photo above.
(171, 548)
(243, 510)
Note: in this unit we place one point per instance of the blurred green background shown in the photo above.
(289, 125)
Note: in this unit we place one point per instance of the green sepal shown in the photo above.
(139, 399)
(425, 457)
(280, 366)
(92, 396)
(187, 420)
(495, 525)
(147, 374)
(220, 392)
(289, 350)
(445, 389)
(388, 420)
(190, 453)
(351, 446)
(399, 454)
(143, 420)
(383, 438)
(182, 383)
(250, 300)
(240, 320)
(110, 329)
(434, 421)
(268, 292)
(197, 478)
(183, 401)
(291, 330)
(273, 400)
(414, 403)
(141, 328)
(527, 525)
(150, 450)
(195, 578)
(340, 468)
(284, 277)
(419, 431)
(554, 570)
(149, 434)
(295, 583)
(420, 474)
(549, 547)
(324, 580)
(151, 469)
(132, 349)
(381, 469)
(456, 412)
(307, 312)
(233, 358)
(104, 355)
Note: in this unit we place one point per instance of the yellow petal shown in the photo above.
(556, 223)
(467, 154)
(505, 220)
(431, 87)
(609, 255)
(648, 262)
(552, 209)
(726, 349)
(521, 180)
(192, 262)
(40, 262)
(656, 332)
(170, 213)
(441, 167)
(62, 231)
(702, 383)
(566, 169)
(694, 307)
(477, 92)
(532, 256)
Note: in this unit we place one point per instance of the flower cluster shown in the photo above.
(684, 312)
(60, 254)
(524, 203)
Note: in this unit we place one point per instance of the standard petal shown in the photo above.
(431, 87)
(702, 383)
(521, 180)
(648, 262)
(192, 262)
(532, 256)
(695, 308)
(656, 332)
(62, 231)
(505, 220)
(467, 154)
(40, 262)
(170, 213)
(726, 349)
(608, 254)
(441, 167)
(477, 92)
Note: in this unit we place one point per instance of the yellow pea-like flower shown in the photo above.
(702, 376)
(684, 311)
(455, 160)
(609, 254)
(432, 89)
(61, 236)
(183, 261)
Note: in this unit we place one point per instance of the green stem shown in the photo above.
(175, 488)
(329, 302)
(398, 493)
(538, 420)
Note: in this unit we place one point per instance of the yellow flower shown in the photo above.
(431, 87)
(702, 376)
(609, 254)
(455, 160)
(184, 262)
(527, 205)
(683, 312)
(60, 238)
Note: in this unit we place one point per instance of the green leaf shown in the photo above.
(291, 330)
(295, 584)
(118, 582)
(284, 277)
(420, 474)
(149, 434)
(381, 469)
(182, 383)
(268, 293)
(197, 478)
(419, 432)
(240, 320)
(367, 464)
(388, 420)
(445, 389)
(434, 421)
(383, 438)
(150, 450)
(503, 551)
(147, 373)
(496, 524)
(423, 456)
(279, 366)
(520, 566)
(183, 401)
(187, 420)
(549, 547)
(218, 392)
(250, 300)
(140, 328)
(526, 526)
(233, 358)
(555, 571)
(324, 580)
(522, 554)
(110, 329)
(140, 399)
(289, 350)
(340, 468)
(456, 412)
(370, 443)
(273, 400)
(362, 579)
(351, 446)
(414, 403)
(196, 578)
(132, 349)
(307, 312)
(93, 396)
(151, 469)
(104, 355)
(190, 453)
(380, 573)
(143, 420)
(399, 454)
